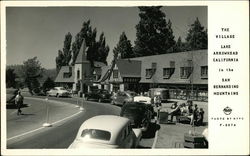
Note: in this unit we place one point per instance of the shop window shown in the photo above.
(204, 70)
(115, 74)
(167, 72)
(185, 72)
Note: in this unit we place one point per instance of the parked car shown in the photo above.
(98, 94)
(140, 114)
(121, 98)
(58, 91)
(106, 131)
(143, 99)
(10, 95)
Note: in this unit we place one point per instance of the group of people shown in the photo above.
(188, 110)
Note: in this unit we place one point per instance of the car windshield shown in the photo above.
(96, 134)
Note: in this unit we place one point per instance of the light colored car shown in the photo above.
(107, 131)
(121, 98)
(58, 91)
(143, 99)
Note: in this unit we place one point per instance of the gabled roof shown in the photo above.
(65, 69)
(129, 68)
(82, 57)
(105, 73)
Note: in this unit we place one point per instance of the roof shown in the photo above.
(105, 73)
(198, 57)
(82, 57)
(129, 68)
(99, 64)
(65, 69)
(111, 123)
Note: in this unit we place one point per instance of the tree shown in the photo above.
(31, 72)
(66, 49)
(197, 36)
(59, 61)
(64, 56)
(48, 84)
(10, 78)
(124, 47)
(154, 35)
(97, 50)
(179, 47)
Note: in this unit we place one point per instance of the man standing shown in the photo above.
(19, 102)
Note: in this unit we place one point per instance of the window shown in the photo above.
(167, 72)
(115, 73)
(96, 134)
(78, 74)
(185, 72)
(66, 75)
(148, 73)
(204, 72)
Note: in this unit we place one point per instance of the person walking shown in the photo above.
(19, 102)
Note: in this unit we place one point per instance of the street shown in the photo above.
(26, 131)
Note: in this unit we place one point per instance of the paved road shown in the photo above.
(62, 134)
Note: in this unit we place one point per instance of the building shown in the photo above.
(83, 75)
(65, 77)
(184, 74)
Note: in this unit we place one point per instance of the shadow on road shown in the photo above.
(13, 106)
(27, 114)
(150, 133)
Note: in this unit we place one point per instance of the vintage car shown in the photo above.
(143, 99)
(106, 131)
(120, 98)
(98, 94)
(58, 91)
(140, 114)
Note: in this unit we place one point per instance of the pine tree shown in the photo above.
(197, 36)
(66, 49)
(97, 50)
(154, 35)
(179, 47)
(124, 47)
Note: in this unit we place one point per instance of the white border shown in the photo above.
(241, 6)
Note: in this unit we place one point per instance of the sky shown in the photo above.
(40, 31)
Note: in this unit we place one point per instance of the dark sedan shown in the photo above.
(10, 95)
(98, 94)
(139, 114)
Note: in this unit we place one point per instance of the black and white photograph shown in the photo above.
(107, 77)
(116, 77)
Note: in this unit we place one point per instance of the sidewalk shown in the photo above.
(172, 135)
